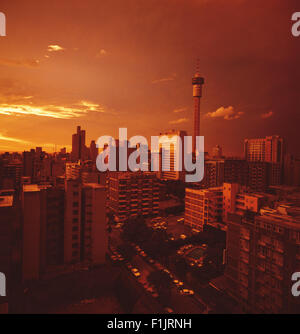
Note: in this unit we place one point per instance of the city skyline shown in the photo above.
(134, 70)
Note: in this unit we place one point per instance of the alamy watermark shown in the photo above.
(2, 285)
(296, 25)
(296, 286)
(2, 24)
(168, 149)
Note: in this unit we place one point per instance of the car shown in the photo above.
(175, 281)
(183, 236)
(155, 294)
(187, 292)
(168, 310)
(136, 274)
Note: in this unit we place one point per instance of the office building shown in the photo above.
(171, 149)
(79, 150)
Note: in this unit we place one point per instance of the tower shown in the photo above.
(197, 82)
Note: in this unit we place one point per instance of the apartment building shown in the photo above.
(72, 220)
(263, 251)
(43, 221)
(203, 207)
(94, 237)
(133, 194)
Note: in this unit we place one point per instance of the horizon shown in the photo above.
(133, 70)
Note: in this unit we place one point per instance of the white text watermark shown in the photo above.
(168, 152)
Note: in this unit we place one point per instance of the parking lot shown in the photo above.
(173, 226)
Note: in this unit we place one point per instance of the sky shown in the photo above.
(106, 64)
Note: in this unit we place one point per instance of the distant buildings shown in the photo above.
(10, 175)
(79, 150)
(270, 150)
(291, 170)
(133, 194)
(217, 152)
(73, 170)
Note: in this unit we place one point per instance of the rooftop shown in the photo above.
(34, 187)
(6, 201)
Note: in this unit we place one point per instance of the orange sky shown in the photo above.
(107, 64)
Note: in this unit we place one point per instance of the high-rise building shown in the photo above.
(236, 171)
(11, 175)
(213, 173)
(269, 150)
(43, 221)
(197, 82)
(72, 221)
(258, 175)
(291, 170)
(28, 163)
(7, 222)
(171, 148)
(263, 251)
(133, 194)
(203, 207)
(93, 151)
(79, 149)
(94, 237)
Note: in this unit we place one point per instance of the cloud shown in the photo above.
(19, 62)
(180, 110)
(101, 53)
(16, 140)
(227, 113)
(55, 48)
(267, 114)
(53, 111)
(92, 106)
(169, 78)
(179, 121)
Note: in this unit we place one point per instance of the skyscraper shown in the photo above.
(197, 93)
(169, 147)
(78, 145)
(270, 150)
